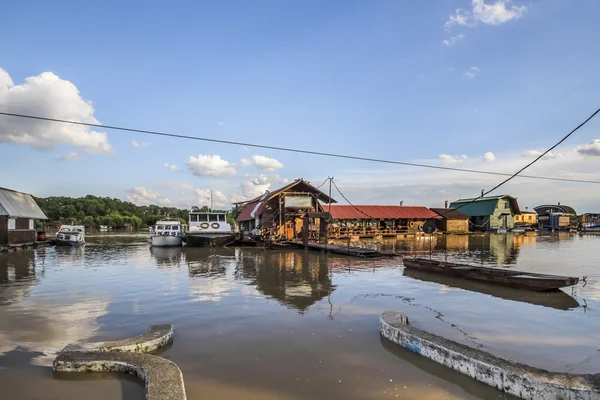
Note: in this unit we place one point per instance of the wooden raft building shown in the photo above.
(18, 213)
(370, 221)
(281, 214)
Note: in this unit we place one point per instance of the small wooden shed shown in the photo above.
(451, 221)
(18, 213)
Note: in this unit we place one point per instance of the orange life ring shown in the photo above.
(215, 225)
(421, 227)
(204, 225)
(411, 224)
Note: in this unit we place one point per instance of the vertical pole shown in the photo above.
(329, 205)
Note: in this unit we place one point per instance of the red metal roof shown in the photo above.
(247, 210)
(380, 212)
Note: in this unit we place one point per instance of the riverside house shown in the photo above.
(489, 214)
(18, 213)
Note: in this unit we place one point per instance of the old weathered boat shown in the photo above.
(208, 229)
(499, 276)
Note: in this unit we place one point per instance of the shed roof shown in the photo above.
(483, 206)
(19, 205)
(565, 209)
(298, 185)
(449, 213)
(380, 212)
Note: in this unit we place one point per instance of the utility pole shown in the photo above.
(329, 205)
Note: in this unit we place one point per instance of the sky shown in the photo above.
(475, 84)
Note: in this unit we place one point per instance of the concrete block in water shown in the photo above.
(163, 379)
(514, 378)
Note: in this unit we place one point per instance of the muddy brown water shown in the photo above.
(255, 324)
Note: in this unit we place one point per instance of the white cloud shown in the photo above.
(47, 95)
(143, 196)
(591, 149)
(68, 157)
(490, 14)
(471, 72)
(221, 123)
(536, 153)
(262, 162)
(489, 157)
(137, 144)
(172, 167)
(219, 199)
(447, 159)
(453, 40)
(255, 185)
(205, 165)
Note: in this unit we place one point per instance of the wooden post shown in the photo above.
(322, 230)
(305, 228)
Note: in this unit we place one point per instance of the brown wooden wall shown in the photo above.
(457, 226)
(22, 236)
(3, 229)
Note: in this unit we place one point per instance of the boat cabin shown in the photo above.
(209, 221)
(168, 227)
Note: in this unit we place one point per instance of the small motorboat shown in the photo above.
(499, 276)
(70, 235)
(167, 233)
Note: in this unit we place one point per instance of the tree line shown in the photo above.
(95, 211)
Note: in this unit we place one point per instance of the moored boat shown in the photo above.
(167, 233)
(70, 235)
(499, 276)
(208, 229)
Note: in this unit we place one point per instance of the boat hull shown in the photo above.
(208, 239)
(69, 243)
(498, 276)
(166, 241)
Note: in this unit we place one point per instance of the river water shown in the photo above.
(256, 324)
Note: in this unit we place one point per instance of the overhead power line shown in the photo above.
(311, 152)
(530, 164)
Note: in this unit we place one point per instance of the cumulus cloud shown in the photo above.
(447, 159)
(451, 41)
(591, 149)
(205, 165)
(489, 157)
(255, 185)
(143, 196)
(219, 199)
(137, 144)
(471, 72)
(172, 167)
(68, 157)
(48, 95)
(489, 14)
(536, 153)
(262, 162)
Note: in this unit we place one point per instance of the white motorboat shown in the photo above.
(167, 233)
(70, 235)
(208, 229)
(103, 228)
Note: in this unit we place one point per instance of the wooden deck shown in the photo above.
(344, 250)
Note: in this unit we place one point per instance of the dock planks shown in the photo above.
(345, 250)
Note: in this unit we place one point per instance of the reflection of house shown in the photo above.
(526, 218)
(452, 221)
(280, 212)
(375, 220)
(489, 213)
(18, 212)
(556, 216)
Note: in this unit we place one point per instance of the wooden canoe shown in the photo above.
(499, 276)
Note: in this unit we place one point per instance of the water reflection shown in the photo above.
(559, 300)
(296, 279)
(167, 256)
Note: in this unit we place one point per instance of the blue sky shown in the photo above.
(435, 82)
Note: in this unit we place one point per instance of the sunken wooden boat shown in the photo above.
(498, 276)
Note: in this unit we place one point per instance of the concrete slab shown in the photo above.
(157, 336)
(514, 378)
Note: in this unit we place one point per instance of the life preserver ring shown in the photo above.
(411, 224)
(204, 225)
(421, 227)
(215, 225)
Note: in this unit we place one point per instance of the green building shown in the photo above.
(492, 213)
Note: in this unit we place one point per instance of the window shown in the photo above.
(175, 227)
(159, 228)
(213, 217)
(194, 217)
(11, 223)
(506, 205)
(202, 217)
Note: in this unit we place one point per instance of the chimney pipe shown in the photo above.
(446, 204)
(482, 192)
(402, 202)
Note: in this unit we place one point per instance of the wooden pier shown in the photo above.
(344, 250)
